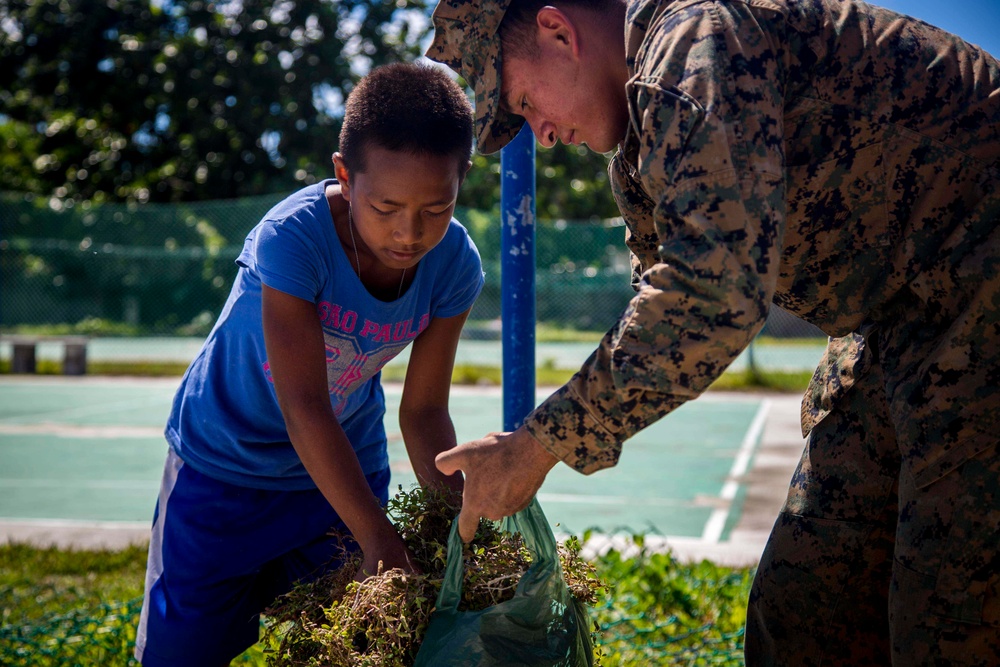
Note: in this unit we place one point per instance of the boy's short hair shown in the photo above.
(406, 107)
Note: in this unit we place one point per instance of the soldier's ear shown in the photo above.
(557, 30)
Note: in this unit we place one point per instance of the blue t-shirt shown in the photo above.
(225, 420)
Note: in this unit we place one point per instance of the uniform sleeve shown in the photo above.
(465, 269)
(706, 114)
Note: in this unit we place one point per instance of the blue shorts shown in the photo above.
(220, 554)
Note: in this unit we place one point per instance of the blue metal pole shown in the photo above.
(517, 276)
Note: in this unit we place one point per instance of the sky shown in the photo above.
(976, 21)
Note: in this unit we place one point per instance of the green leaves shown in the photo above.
(667, 612)
(81, 607)
(135, 101)
(571, 183)
(382, 620)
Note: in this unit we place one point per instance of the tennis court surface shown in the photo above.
(81, 459)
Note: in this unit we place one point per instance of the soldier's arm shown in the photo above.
(708, 106)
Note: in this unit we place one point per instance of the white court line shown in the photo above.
(717, 521)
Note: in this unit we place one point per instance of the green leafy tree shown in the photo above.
(571, 183)
(109, 104)
(114, 100)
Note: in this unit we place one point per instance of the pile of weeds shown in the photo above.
(380, 622)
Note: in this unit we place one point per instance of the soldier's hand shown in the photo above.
(502, 473)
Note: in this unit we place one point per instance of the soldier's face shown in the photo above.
(562, 100)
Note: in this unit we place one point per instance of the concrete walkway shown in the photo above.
(766, 484)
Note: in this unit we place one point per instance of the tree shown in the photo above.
(120, 100)
(571, 183)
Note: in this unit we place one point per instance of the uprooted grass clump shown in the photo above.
(380, 622)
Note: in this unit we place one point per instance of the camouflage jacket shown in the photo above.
(820, 154)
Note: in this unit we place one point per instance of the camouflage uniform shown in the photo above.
(843, 162)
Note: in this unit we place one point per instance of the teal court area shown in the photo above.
(91, 450)
(567, 355)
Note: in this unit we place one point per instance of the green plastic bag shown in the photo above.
(543, 625)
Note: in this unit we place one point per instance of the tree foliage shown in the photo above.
(135, 100)
(168, 101)
(571, 183)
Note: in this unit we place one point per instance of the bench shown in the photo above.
(23, 353)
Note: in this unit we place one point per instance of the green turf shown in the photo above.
(81, 607)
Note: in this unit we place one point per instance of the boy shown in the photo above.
(276, 434)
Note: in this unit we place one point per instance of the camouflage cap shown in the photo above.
(467, 39)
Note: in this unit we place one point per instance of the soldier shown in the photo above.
(834, 158)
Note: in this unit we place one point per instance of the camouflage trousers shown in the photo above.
(866, 567)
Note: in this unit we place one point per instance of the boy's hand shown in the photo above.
(392, 554)
(502, 473)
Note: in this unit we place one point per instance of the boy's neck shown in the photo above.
(383, 284)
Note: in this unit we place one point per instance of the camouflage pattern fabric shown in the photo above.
(821, 592)
(856, 539)
(841, 161)
(465, 40)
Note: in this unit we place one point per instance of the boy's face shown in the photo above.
(401, 204)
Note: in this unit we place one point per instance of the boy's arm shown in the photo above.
(423, 413)
(296, 354)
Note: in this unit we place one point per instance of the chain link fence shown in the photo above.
(116, 272)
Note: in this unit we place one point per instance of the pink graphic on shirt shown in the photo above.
(353, 365)
(352, 374)
(347, 364)
(334, 317)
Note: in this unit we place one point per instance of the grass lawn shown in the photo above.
(70, 607)
(464, 374)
